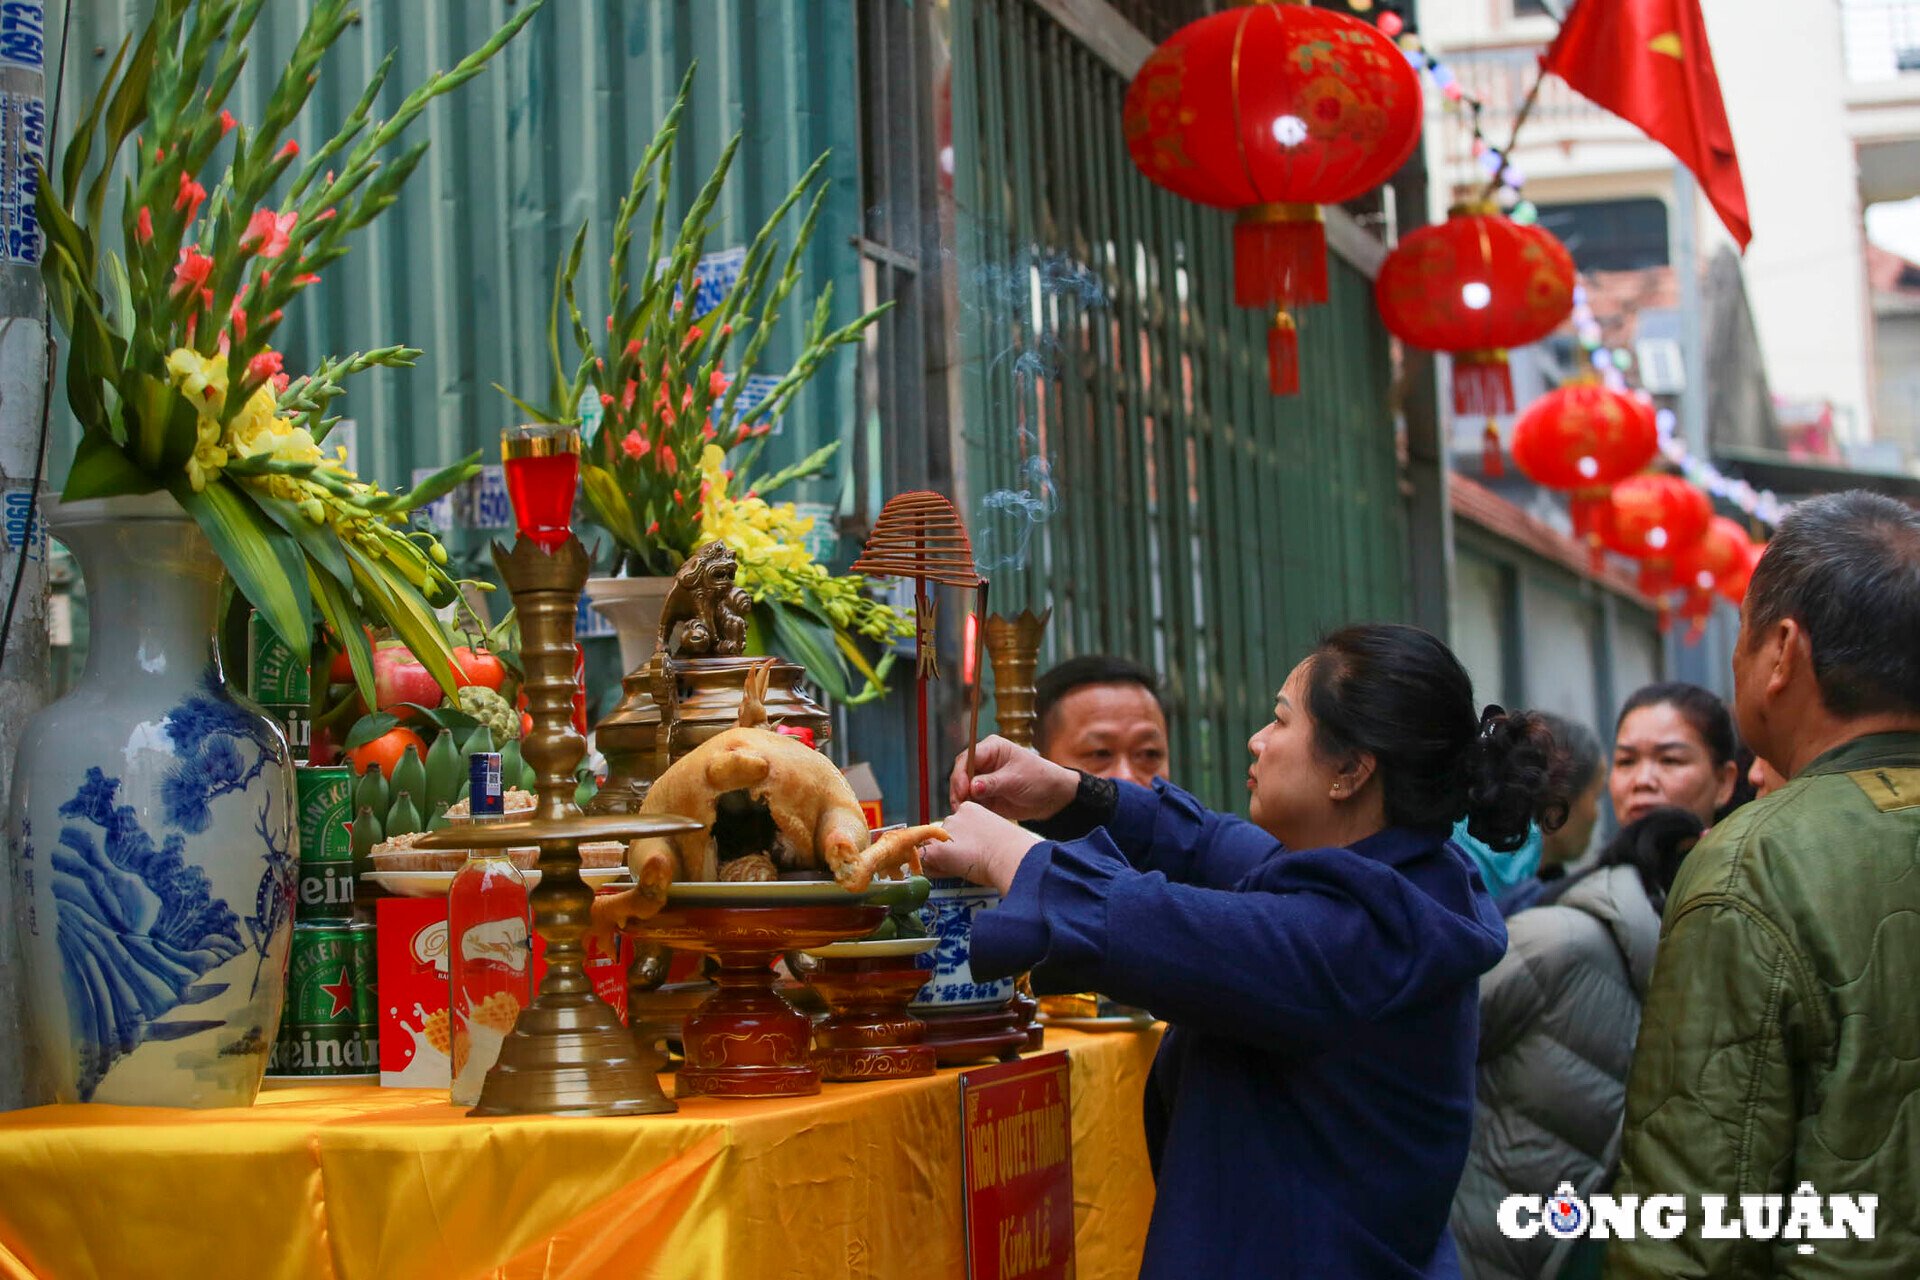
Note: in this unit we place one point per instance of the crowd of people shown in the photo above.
(1407, 987)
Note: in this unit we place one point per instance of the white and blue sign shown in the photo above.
(487, 503)
(438, 514)
(24, 523)
(588, 622)
(23, 34)
(713, 277)
(23, 138)
(754, 394)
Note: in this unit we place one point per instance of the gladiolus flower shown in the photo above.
(686, 399)
(694, 335)
(606, 400)
(265, 365)
(600, 365)
(678, 500)
(279, 381)
(633, 347)
(635, 445)
(190, 195)
(227, 122)
(717, 384)
(628, 393)
(706, 487)
(143, 225)
(289, 151)
(742, 433)
(726, 331)
(653, 528)
(708, 433)
(308, 278)
(666, 459)
(609, 324)
(267, 232)
(326, 215)
(191, 272)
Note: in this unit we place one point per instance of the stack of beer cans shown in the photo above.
(330, 1025)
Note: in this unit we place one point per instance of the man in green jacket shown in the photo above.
(1780, 1045)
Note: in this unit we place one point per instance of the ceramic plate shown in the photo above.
(875, 948)
(434, 884)
(773, 893)
(1123, 1022)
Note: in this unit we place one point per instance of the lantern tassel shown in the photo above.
(1283, 356)
(1482, 383)
(1490, 462)
(1279, 256)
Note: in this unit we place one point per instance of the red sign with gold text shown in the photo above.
(1016, 1123)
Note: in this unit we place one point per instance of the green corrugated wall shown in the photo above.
(548, 135)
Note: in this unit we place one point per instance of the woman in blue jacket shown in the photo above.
(1311, 1107)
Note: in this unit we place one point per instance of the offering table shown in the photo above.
(357, 1181)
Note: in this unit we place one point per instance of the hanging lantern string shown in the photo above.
(1513, 136)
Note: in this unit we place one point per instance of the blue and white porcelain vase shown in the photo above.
(948, 915)
(151, 836)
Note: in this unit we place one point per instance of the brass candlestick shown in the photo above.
(568, 1054)
(1013, 645)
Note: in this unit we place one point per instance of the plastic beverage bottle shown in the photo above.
(490, 926)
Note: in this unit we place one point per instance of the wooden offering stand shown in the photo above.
(869, 1035)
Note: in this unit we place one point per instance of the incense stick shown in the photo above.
(979, 673)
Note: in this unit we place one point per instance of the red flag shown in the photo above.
(1647, 61)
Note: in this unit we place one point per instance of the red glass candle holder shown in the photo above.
(542, 462)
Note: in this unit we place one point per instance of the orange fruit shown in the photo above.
(385, 751)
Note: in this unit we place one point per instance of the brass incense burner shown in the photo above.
(568, 1053)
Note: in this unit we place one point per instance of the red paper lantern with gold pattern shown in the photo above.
(1699, 571)
(1274, 110)
(1655, 518)
(1582, 439)
(1474, 286)
(1733, 585)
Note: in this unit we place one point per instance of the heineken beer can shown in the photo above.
(325, 799)
(329, 1028)
(275, 676)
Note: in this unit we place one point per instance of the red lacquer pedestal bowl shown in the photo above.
(746, 1041)
(869, 1035)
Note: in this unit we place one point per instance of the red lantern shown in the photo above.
(1583, 439)
(1653, 518)
(1733, 586)
(1273, 110)
(1699, 571)
(1476, 285)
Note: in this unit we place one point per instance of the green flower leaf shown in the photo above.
(102, 469)
(266, 563)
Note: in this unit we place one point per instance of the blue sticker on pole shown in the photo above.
(23, 34)
(23, 142)
(24, 525)
(752, 395)
(489, 505)
(438, 514)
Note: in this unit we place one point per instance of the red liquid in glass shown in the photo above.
(542, 493)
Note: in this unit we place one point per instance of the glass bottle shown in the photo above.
(489, 924)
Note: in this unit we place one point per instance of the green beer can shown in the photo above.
(275, 677)
(328, 1029)
(297, 723)
(324, 795)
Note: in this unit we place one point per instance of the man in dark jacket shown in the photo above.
(1780, 1043)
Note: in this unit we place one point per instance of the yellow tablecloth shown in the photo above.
(353, 1181)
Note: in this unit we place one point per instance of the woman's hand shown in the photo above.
(984, 848)
(1012, 781)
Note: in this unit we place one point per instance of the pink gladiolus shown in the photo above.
(666, 459)
(289, 151)
(633, 348)
(728, 473)
(694, 335)
(159, 154)
(265, 365)
(708, 433)
(143, 225)
(606, 400)
(627, 395)
(190, 196)
(227, 122)
(653, 528)
(706, 487)
(308, 278)
(716, 384)
(678, 500)
(279, 381)
(753, 493)
(609, 324)
(191, 272)
(274, 316)
(686, 399)
(726, 331)
(742, 433)
(601, 366)
(635, 444)
(267, 232)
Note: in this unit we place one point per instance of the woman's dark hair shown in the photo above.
(1654, 845)
(1399, 695)
(1703, 712)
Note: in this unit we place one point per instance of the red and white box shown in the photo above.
(411, 948)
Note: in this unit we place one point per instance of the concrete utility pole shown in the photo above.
(24, 669)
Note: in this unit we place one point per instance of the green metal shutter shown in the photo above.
(1203, 526)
